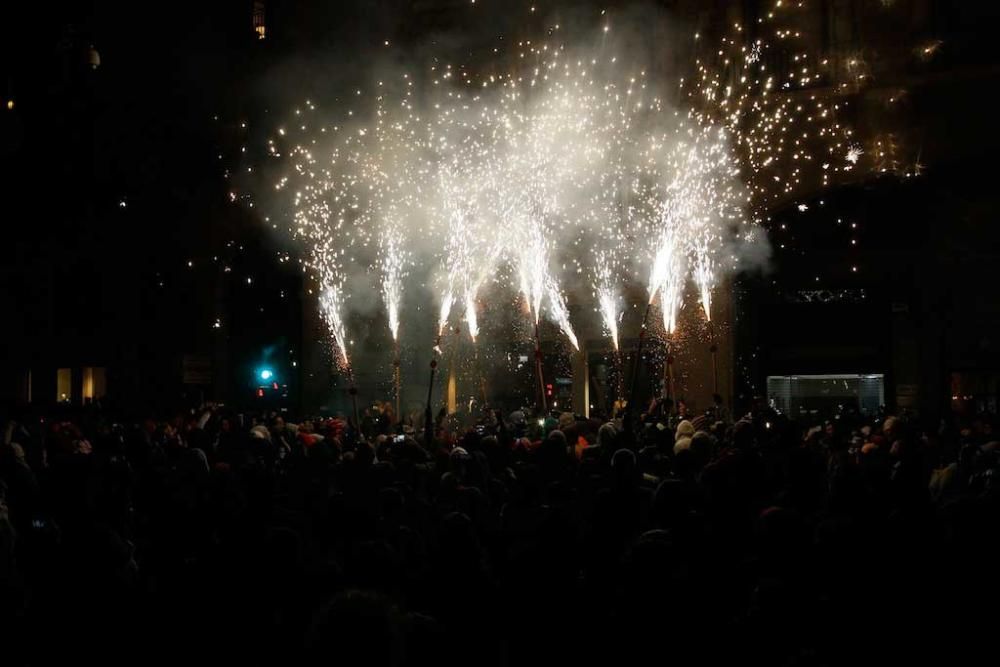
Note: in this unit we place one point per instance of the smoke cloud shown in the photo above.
(551, 164)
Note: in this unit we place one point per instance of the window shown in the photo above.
(822, 396)
(64, 385)
(94, 384)
(258, 20)
(973, 392)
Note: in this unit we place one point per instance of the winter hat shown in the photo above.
(685, 429)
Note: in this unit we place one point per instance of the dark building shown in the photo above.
(129, 274)
(881, 290)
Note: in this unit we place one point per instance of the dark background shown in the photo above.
(115, 178)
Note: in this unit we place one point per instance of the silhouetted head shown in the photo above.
(607, 435)
(624, 466)
(357, 628)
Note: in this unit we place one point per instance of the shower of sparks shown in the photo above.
(331, 307)
(560, 314)
(704, 276)
(667, 275)
(393, 273)
(564, 170)
(701, 199)
(471, 317)
(607, 296)
(447, 301)
(471, 250)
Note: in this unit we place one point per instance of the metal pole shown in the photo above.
(479, 371)
(666, 370)
(428, 415)
(714, 349)
(635, 371)
(670, 373)
(352, 389)
(715, 369)
(620, 380)
(398, 381)
(538, 371)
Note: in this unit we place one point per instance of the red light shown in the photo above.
(275, 385)
(260, 393)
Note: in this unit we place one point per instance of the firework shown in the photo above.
(565, 169)
(393, 273)
(607, 296)
(560, 314)
(704, 274)
(667, 275)
(471, 317)
(331, 308)
(471, 251)
(447, 301)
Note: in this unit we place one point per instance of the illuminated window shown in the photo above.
(64, 385)
(94, 384)
(258, 20)
(825, 396)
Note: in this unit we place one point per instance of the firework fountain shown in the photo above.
(331, 310)
(393, 270)
(566, 170)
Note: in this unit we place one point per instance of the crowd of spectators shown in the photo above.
(505, 539)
